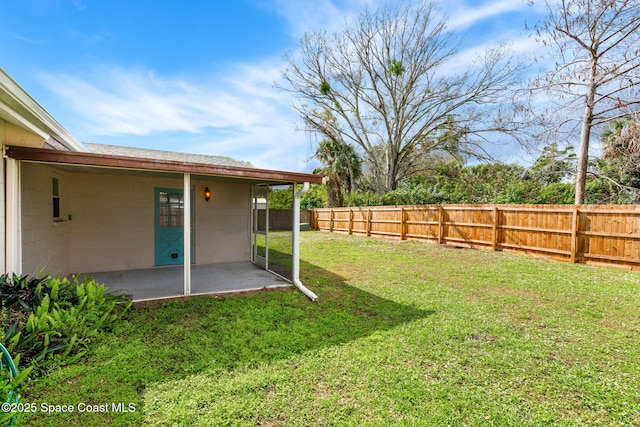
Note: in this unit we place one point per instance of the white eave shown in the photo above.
(20, 109)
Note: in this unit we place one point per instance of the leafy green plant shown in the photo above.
(412, 195)
(19, 293)
(364, 199)
(10, 384)
(316, 197)
(51, 318)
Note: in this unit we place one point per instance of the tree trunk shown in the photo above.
(585, 135)
(583, 157)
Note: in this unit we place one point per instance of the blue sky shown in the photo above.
(197, 75)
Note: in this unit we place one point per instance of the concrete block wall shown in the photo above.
(107, 220)
(223, 224)
(45, 241)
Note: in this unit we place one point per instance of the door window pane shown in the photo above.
(171, 209)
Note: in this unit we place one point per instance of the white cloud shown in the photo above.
(117, 101)
(79, 4)
(239, 115)
(309, 15)
(463, 16)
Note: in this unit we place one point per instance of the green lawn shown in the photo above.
(404, 333)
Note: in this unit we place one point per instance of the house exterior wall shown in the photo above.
(107, 220)
(13, 135)
(223, 224)
(45, 241)
(113, 218)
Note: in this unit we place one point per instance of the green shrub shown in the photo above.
(281, 199)
(51, 318)
(316, 197)
(364, 199)
(557, 193)
(417, 194)
(10, 384)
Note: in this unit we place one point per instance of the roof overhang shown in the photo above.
(20, 109)
(42, 155)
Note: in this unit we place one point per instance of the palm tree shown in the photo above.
(343, 166)
(621, 147)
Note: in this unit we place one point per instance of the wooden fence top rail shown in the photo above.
(607, 235)
(611, 212)
(466, 208)
(550, 210)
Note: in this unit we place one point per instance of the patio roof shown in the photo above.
(44, 155)
(146, 153)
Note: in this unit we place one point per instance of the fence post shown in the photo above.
(494, 237)
(368, 221)
(440, 223)
(350, 220)
(575, 222)
(331, 220)
(402, 230)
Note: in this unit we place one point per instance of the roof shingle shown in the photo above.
(145, 153)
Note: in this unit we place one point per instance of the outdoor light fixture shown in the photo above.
(207, 194)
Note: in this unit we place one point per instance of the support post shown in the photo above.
(369, 222)
(187, 233)
(295, 250)
(331, 220)
(13, 248)
(575, 220)
(440, 223)
(403, 233)
(494, 236)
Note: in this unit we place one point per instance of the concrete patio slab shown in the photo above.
(167, 282)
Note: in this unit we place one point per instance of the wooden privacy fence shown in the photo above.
(597, 234)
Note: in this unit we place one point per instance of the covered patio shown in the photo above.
(167, 282)
(150, 224)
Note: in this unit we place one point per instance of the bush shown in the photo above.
(316, 197)
(10, 384)
(557, 193)
(418, 194)
(50, 318)
(364, 199)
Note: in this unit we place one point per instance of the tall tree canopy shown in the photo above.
(387, 84)
(597, 73)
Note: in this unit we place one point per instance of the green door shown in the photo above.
(169, 226)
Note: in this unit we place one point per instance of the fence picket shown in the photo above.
(598, 234)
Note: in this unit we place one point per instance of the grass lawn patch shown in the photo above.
(404, 333)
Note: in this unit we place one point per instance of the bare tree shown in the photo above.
(386, 84)
(597, 51)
